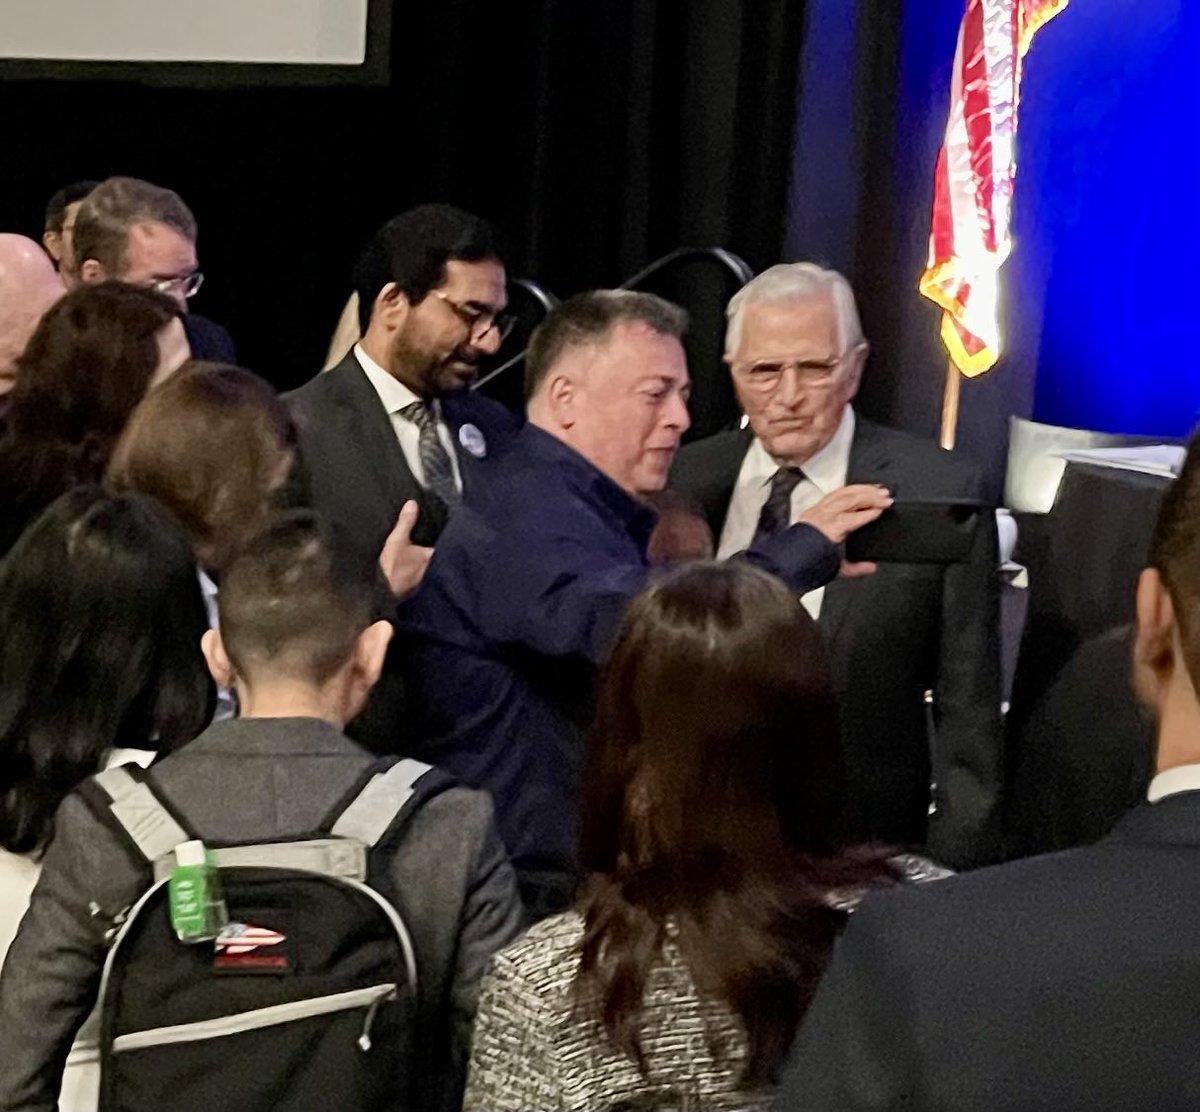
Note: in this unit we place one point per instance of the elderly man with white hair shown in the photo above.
(914, 647)
(29, 285)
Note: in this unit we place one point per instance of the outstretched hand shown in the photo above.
(837, 515)
(403, 563)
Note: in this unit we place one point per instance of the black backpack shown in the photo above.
(312, 1005)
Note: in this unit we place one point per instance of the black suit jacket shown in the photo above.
(894, 635)
(208, 340)
(351, 464)
(1062, 982)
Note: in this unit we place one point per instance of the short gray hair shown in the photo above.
(116, 205)
(795, 282)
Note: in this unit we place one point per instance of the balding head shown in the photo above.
(29, 285)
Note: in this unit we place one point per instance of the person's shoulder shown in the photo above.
(721, 450)
(922, 456)
(323, 386)
(1027, 896)
(472, 407)
(452, 824)
(546, 956)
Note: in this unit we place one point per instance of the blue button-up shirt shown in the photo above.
(519, 604)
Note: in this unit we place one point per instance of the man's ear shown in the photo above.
(370, 652)
(562, 397)
(52, 242)
(91, 272)
(1154, 653)
(220, 667)
(391, 306)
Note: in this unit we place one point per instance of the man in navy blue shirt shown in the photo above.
(532, 574)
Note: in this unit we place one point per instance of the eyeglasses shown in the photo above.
(188, 285)
(765, 375)
(480, 321)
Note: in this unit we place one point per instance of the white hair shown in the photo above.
(795, 282)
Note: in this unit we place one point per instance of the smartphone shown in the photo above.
(933, 531)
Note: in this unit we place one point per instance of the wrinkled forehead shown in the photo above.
(803, 328)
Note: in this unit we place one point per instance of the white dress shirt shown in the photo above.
(1182, 778)
(394, 396)
(824, 473)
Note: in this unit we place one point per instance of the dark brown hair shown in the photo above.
(85, 369)
(1175, 552)
(293, 603)
(212, 444)
(412, 250)
(712, 808)
(108, 212)
(588, 318)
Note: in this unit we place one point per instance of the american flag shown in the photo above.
(973, 182)
(244, 938)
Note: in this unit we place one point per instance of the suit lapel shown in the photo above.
(870, 462)
(366, 428)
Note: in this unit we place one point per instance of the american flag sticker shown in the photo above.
(246, 948)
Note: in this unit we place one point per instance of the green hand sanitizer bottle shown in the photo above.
(197, 903)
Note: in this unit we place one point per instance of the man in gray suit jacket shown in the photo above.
(1065, 981)
(796, 352)
(297, 641)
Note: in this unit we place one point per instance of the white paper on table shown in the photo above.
(1150, 459)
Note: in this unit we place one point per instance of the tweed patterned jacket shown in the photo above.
(531, 1053)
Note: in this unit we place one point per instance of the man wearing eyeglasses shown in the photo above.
(796, 352)
(137, 232)
(395, 422)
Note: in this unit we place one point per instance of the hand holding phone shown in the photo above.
(931, 531)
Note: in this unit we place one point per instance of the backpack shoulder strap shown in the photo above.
(125, 797)
(392, 792)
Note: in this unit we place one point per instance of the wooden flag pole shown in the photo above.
(950, 404)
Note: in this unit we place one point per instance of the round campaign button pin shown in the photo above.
(472, 440)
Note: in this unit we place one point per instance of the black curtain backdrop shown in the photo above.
(597, 136)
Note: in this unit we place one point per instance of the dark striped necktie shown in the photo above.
(777, 510)
(435, 460)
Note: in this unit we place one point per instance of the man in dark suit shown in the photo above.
(796, 351)
(395, 421)
(1058, 982)
(137, 232)
(533, 573)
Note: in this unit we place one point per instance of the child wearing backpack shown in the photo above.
(355, 902)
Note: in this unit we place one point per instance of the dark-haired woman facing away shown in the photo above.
(100, 624)
(90, 361)
(716, 878)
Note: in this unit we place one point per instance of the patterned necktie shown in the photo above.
(435, 460)
(777, 510)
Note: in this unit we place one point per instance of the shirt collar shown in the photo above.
(589, 482)
(826, 469)
(392, 392)
(1182, 778)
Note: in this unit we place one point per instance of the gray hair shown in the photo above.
(795, 282)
